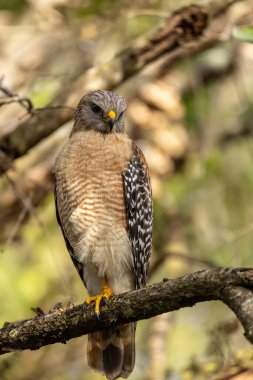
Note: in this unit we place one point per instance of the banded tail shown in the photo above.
(112, 352)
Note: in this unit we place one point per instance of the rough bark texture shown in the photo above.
(186, 32)
(232, 286)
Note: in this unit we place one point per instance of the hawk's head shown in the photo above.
(101, 111)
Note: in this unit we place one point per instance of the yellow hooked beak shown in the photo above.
(111, 116)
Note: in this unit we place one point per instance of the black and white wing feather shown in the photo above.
(139, 214)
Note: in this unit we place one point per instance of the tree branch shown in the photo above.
(231, 286)
(186, 32)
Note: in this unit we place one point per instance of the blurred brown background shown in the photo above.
(194, 122)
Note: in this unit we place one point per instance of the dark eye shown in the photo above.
(121, 114)
(95, 108)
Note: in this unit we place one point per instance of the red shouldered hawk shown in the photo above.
(104, 208)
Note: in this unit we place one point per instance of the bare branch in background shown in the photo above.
(25, 102)
(11, 97)
(231, 286)
(179, 255)
(186, 32)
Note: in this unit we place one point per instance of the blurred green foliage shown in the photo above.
(243, 33)
(44, 90)
(13, 5)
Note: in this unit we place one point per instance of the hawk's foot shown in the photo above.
(105, 294)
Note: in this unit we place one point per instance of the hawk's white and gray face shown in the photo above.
(101, 111)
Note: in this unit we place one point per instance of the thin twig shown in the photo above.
(14, 98)
(26, 202)
(182, 256)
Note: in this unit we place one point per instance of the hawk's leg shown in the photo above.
(105, 294)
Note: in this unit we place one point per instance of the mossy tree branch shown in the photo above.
(234, 287)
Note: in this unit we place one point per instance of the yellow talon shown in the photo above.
(106, 293)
